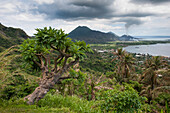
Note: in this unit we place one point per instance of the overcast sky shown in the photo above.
(136, 17)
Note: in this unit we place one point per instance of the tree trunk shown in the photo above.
(45, 85)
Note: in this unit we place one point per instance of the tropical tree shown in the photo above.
(150, 76)
(53, 53)
(125, 64)
(152, 65)
(128, 65)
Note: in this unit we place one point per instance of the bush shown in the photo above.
(74, 103)
(121, 99)
(19, 106)
(16, 86)
(163, 98)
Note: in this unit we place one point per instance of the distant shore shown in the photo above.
(159, 49)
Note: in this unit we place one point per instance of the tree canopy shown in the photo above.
(48, 40)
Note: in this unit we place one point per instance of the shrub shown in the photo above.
(163, 98)
(74, 103)
(121, 99)
(16, 86)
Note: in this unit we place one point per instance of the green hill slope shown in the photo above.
(10, 36)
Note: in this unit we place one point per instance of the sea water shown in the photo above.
(153, 49)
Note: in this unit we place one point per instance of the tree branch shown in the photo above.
(56, 63)
(39, 57)
(46, 61)
(61, 52)
(64, 69)
(37, 63)
(63, 78)
(65, 61)
(71, 63)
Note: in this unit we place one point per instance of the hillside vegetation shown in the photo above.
(110, 81)
(11, 36)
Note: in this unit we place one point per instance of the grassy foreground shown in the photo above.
(50, 104)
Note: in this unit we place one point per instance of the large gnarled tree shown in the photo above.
(53, 53)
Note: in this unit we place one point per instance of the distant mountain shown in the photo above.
(11, 36)
(113, 33)
(127, 38)
(92, 36)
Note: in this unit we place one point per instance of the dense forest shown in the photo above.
(52, 73)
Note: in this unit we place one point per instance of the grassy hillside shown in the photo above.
(10, 36)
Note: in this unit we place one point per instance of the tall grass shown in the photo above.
(19, 106)
(55, 103)
(74, 103)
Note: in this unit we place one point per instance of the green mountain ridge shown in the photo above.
(92, 36)
(11, 36)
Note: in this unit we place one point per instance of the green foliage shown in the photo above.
(19, 106)
(121, 99)
(48, 39)
(167, 107)
(124, 65)
(14, 81)
(10, 36)
(58, 39)
(97, 62)
(136, 85)
(72, 102)
(75, 85)
(163, 98)
(79, 83)
(29, 48)
(16, 86)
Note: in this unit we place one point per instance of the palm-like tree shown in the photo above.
(125, 64)
(150, 75)
(151, 66)
(128, 65)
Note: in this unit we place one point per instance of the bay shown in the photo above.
(153, 49)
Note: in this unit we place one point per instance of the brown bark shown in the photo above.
(40, 91)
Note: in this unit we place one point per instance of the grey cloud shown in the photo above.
(150, 1)
(137, 14)
(83, 9)
(76, 9)
(93, 4)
